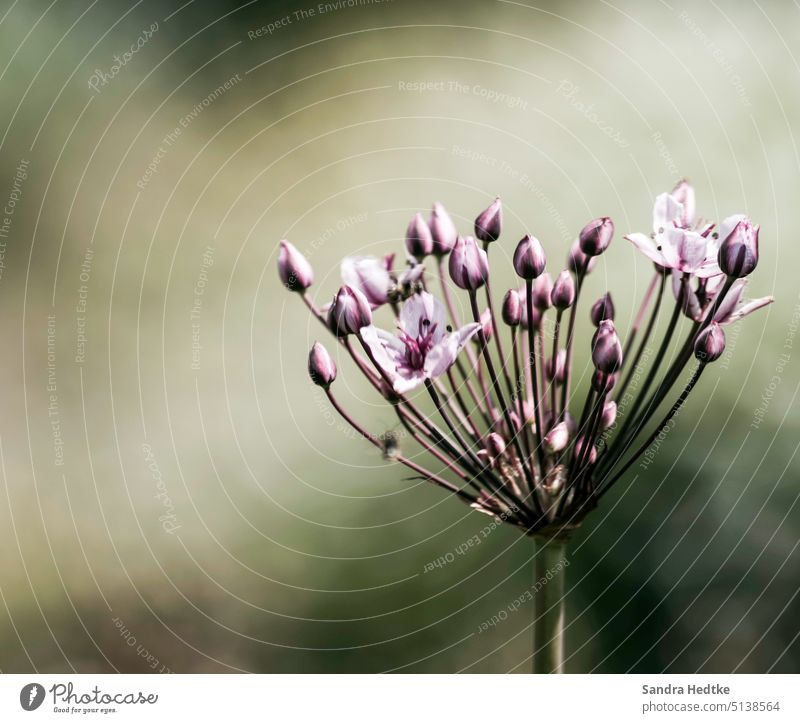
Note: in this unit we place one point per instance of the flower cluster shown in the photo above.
(504, 432)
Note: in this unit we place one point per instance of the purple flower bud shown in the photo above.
(469, 265)
(537, 315)
(489, 223)
(577, 260)
(419, 241)
(443, 230)
(596, 236)
(738, 253)
(603, 383)
(321, 368)
(580, 450)
(293, 268)
(486, 326)
(609, 415)
(557, 438)
(495, 445)
(710, 343)
(606, 348)
(557, 367)
(529, 258)
(602, 309)
(563, 293)
(572, 425)
(542, 288)
(512, 308)
(349, 312)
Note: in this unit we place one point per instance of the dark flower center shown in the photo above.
(417, 349)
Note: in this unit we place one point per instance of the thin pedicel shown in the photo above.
(514, 450)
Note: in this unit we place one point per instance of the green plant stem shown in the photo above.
(548, 606)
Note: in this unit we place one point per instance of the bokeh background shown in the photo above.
(176, 495)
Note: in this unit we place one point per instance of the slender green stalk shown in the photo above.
(579, 274)
(537, 411)
(513, 431)
(548, 606)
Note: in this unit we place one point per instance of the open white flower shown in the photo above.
(423, 347)
(674, 244)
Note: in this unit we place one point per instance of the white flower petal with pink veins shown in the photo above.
(667, 211)
(647, 246)
(370, 276)
(443, 355)
(689, 248)
(421, 313)
(729, 310)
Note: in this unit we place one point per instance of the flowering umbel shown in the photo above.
(513, 434)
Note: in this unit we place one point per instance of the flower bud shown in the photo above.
(293, 268)
(537, 315)
(321, 368)
(602, 309)
(738, 253)
(557, 438)
(489, 223)
(495, 445)
(580, 450)
(529, 258)
(349, 312)
(572, 425)
(563, 294)
(577, 260)
(469, 265)
(542, 288)
(606, 348)
(512, 308)
(556, 368)
(419, 242)
(609, 415)
(683, 193)
(603, 383)
(596, 235)
(710, 343)
(486, 325)
(443, 230)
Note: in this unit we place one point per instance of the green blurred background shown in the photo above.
(177, 496)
